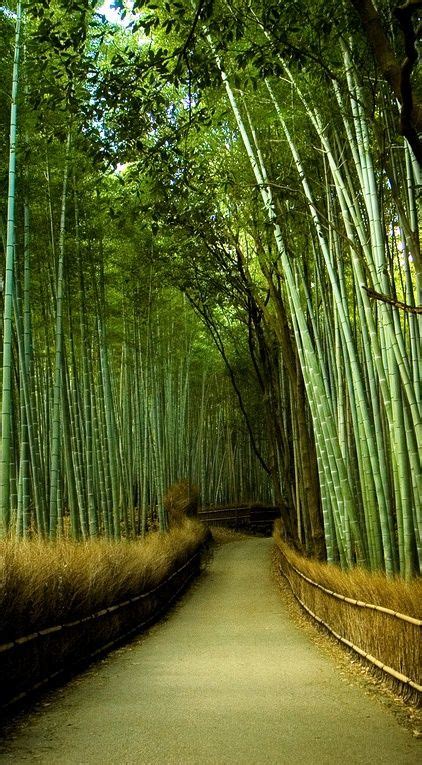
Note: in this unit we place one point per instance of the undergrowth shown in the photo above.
(46, 583)
(368, 586)
(222, 535)
(393, 642)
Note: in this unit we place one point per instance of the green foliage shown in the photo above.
(234, 179)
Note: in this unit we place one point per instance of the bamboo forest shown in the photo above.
(212, 268)
(211, 409)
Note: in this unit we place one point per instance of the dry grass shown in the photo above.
(181, 501)
(355, 672)
(405, 597)
(47, 583)
(394, 642)
(222, 536)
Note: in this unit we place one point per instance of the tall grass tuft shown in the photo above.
(46, 583)
(181, 501)
(359, 583)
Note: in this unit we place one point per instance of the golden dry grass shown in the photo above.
(221, 535)
(394, 642)
(46, 583)
(359, 583)
(181, 500)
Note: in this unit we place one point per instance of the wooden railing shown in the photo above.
(253, 517)
(387, 639)
(31, 662)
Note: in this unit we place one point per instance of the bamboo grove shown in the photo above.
(212, 272)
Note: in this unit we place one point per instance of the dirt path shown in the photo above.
(226, 679)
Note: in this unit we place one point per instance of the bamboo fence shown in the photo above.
(31, 662)
(387, 639)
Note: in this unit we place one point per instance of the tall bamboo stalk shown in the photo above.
(9, 288)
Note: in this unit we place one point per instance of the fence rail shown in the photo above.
(360, 603)
(30, 662)
(97, 614)
(385, 638)
(252, 517)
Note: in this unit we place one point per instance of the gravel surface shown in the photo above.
(227, 678)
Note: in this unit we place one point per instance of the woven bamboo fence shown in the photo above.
(34, 661)
(385, 638)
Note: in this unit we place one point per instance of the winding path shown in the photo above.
(227, 678)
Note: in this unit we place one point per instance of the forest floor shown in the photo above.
(228, 677)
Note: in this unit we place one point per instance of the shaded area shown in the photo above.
(29, 664)
(226, 679)
(252, 517)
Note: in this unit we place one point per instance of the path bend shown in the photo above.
(227, 678)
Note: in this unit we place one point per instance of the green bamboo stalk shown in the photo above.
(8, 290)
(57, 394)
